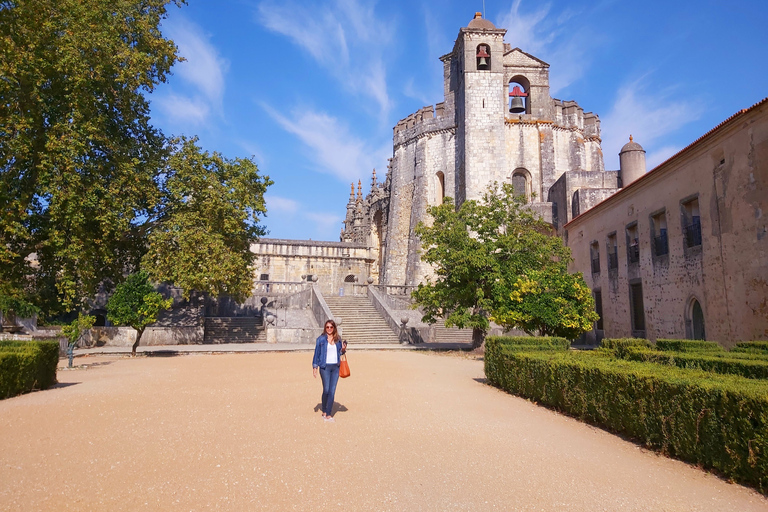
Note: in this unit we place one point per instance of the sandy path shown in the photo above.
(414, 431)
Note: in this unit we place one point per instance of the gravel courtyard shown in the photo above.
(413, 431)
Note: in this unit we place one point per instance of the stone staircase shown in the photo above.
(451, 335)
(361, 323)
(234, 330)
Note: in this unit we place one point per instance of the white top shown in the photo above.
(331, 354)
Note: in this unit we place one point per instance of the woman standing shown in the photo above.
(328, 351)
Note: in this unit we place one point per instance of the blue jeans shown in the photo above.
(330, 377)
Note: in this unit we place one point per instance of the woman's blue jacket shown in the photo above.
(321, 346)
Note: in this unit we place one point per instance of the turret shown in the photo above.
(631, 162)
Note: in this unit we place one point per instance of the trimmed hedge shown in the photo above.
(688, 346)
(27, 365)
(619, 346)
(749, 368)
(718, 421)
(751, 347)
(532, 342)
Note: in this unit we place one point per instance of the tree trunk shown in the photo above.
(136, 344)
(478, 337)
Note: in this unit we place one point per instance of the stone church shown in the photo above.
(498, 122)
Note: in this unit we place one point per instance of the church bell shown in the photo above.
(482, 57)
(517, 104)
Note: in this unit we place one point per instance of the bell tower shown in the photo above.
(481, 103)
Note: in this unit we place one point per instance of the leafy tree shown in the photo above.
(207, 222)
(484, 256)
(136, 304)
(78, 155)
(74, 330)
(551, 302)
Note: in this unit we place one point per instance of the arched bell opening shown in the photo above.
(519, 95)
(483, 55)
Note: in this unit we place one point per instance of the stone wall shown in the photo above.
(725, 173)
(295, 260)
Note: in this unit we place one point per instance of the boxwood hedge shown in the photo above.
(688, 345)
(718, 421)
(755, 347)
(27, 365)
(750, 368)
(532, 342)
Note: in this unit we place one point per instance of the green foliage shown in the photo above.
(208, 221)
(78, 155)
(531, 342)
(135, 303)
(77, 327)
(751, 369)
(25, 366)
(495, 259)
(20, 307)
(718, 421)
(688, 345)
(619, 346)
(751, 347)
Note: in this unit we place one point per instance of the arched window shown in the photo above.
(694, 321)
(350, 279)
(439, 187)
(521, 183)
(483, 57)
(519, 95)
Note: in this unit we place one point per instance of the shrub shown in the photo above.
(751, 347)
(619, 346)
(718, 421)
(751, 369)
(27, 365)
(688, 346)
(543, 342)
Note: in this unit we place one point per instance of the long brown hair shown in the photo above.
(335, 334)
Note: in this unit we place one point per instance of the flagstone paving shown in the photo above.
(241, 432)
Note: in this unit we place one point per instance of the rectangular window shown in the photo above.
(691, 222)
(594, 256)
(638, 312)
(599, 308)
(613, 252)
(633, 244)
(264, 277)
(659, 240)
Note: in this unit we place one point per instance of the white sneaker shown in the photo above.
(330, 419)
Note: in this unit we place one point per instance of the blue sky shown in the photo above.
(312, 89)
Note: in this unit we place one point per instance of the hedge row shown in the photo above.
(756, 347)
(749, 368)
(532, 342)
(688, 346)
(27, 365)
(718, 421)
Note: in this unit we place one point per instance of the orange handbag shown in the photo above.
(343, 367)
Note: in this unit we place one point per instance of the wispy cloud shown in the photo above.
(561, 39)
(327, 30)
(281, 204)
(326, 222)
(650, 116)
(331, 144)
(200, 90)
